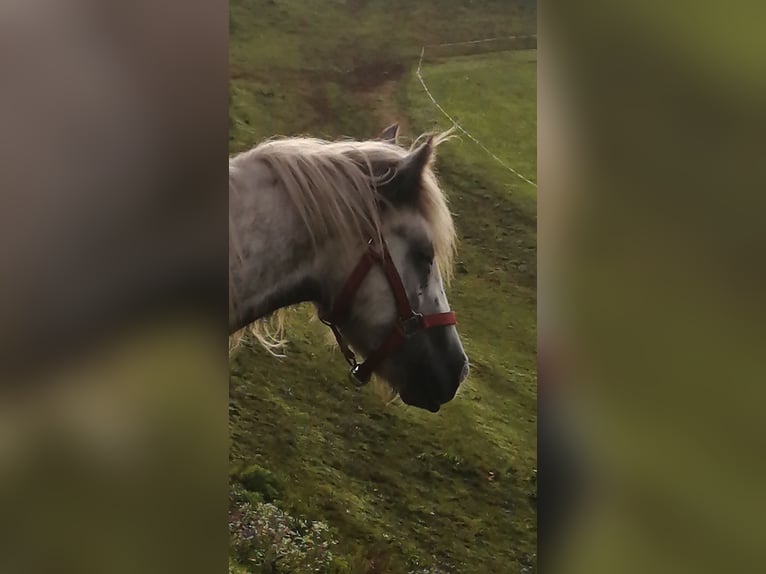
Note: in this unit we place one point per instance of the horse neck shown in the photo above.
(273, 262)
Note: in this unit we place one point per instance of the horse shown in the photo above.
(362, 230)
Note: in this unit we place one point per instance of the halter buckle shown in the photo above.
(355, 376)
(411, 324)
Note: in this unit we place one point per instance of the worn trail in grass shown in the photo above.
(402, 487)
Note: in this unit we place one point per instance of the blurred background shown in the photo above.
(650, 282)
(113, 221)
(115, 377)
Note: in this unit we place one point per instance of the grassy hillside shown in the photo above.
(401, 490)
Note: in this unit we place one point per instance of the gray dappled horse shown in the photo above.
(362, 230)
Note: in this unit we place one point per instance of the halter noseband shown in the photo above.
(408, 322)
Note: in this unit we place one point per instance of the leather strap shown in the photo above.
(408, 321)
(439, 320)
(346, 296)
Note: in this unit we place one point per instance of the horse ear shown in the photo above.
(390, 134)
(404, 187)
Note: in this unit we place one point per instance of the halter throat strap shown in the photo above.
(408, 321)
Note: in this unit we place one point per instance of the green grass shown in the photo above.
(493, 97)
(400, 486)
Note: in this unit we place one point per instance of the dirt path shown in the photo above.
(382, 101)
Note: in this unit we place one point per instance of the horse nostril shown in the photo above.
(464, 372)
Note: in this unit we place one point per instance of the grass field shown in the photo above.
(401, 490)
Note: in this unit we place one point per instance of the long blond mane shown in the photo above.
(332, 185)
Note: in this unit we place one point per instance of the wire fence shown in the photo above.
(460, 128)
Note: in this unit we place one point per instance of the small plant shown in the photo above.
(269, 539)
(255, 478)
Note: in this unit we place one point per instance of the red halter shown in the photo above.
(408, 322)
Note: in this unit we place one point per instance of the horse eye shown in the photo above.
(424, 258)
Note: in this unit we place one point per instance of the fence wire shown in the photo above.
(457, 125)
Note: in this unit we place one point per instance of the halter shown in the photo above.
(408, 322)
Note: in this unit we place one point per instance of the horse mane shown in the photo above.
(332, 185)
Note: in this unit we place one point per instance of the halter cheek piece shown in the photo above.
(408, 322)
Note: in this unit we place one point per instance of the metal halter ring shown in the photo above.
(411, 324)
(354, 375)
